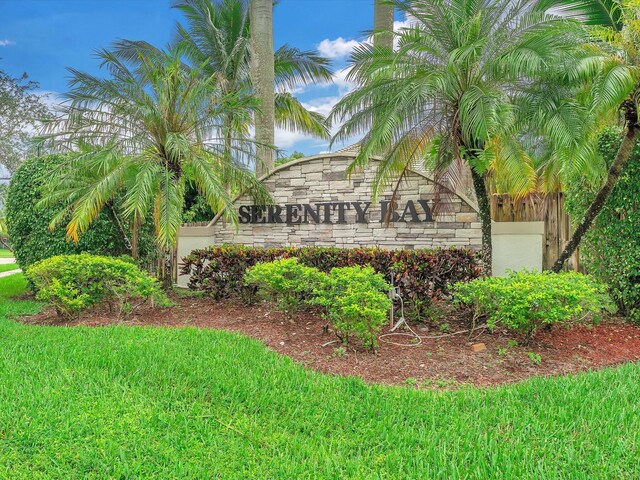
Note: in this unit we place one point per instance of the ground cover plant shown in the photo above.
(526, 301)
(131, 402)
(421, 275)
(73, 283)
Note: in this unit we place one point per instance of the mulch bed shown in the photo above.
(445, 362)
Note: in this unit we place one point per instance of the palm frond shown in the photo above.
(291, 115)
(294, 67)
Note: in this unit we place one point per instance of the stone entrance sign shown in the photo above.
(314, 203)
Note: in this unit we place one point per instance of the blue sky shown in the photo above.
(42, 37)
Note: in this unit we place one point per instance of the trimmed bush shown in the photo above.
(73, 283)
(356, 301)
(422, 275)
(610, 250)
(525, 301)
(28, 226)
(290, 283)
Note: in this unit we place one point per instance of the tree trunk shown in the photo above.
(135, 229)
(622, 158)
(482, 196)
(263, 78)
(383, 22)
(167, 269)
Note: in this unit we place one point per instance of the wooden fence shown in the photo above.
(547, 208)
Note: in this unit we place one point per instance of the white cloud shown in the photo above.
(50, 98)
(286, 139)
(6, 43)
(338, 48)
(340, 79)
(321, 105)
(407, 22)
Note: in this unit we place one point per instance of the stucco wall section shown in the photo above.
(321, 180)
(517, 246)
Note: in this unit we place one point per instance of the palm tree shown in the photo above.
(220, 36)
(383, 23)
(451, 94)
(616, 87)
(144, 131)
(263, 76)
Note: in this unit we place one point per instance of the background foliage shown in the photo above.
(611, 249)
(21, 110)
(422, 275)
(28, 226)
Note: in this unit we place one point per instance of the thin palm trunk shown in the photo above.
(263, 78)
(383, 22)
(167, 270)
(135, 229)
(484, 207)
(622, 158)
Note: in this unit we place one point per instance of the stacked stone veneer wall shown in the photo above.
(322, 179)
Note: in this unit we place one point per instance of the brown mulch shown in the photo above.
(435, 363)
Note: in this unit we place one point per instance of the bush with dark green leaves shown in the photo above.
(525, 301)
(28, 225)
(74, 283)
(610, 251)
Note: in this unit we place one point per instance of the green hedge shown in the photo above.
(422, 275)
(28, 226)
(611, 249)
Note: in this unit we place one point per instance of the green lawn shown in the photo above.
(131, 402)
(7, 267)
(4, 253)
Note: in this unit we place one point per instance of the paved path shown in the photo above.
(6, 261)
(10, 272)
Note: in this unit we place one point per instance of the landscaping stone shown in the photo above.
(323, 180)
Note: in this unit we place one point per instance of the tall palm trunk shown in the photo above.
(263, 78)
(484, 207)
(619, 163)
(383, 22)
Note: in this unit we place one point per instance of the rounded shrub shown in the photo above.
(28, 225)
(526, 301)
(290, 283)
(73, 283)
(356, 302)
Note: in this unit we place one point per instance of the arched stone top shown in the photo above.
(316, 203)
(341, 155)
